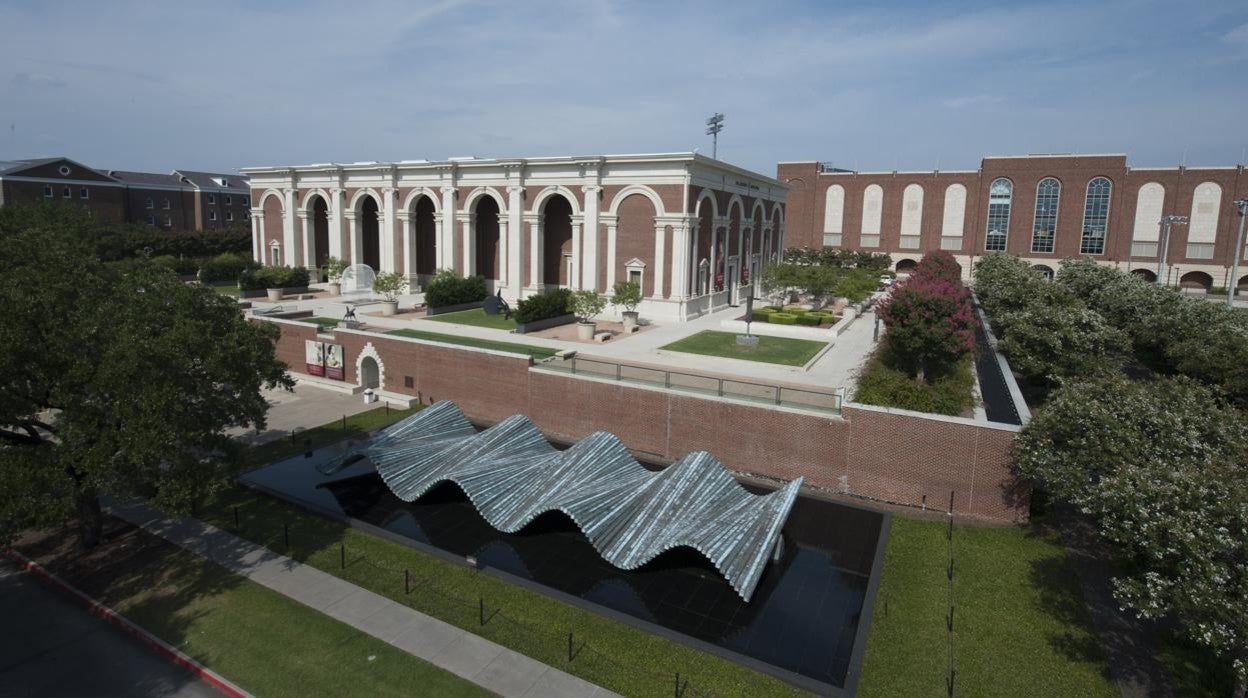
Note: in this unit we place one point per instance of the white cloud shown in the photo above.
(34, 79)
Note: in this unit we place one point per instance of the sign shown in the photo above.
(333, 362)
(314, 357)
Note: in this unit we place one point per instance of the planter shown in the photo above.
(545, 323)
(335, 288)
(261, 293)
(630, 320)
(585, 331)
(389, 307)
(275, 294)
(453, 308)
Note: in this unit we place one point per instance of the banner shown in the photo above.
(333, 362)
(314, 357)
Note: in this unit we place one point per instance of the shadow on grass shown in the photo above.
(1061, 600)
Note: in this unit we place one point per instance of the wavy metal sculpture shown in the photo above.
(630, 515)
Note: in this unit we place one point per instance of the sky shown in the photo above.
(220, 85)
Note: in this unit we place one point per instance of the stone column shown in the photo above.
(291, 249)
(502, 254)
(575, 282)
(385, 226)
(409, 247)
(589, 248)
(257, 235)
(611, 222)
(354, 238)
(306, 237)
(515, 246)
(660, 236)
(535, 251)
(335, 223)
(446, 231)
(680, 267)
(470, 243)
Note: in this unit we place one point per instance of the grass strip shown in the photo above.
(476, 317)
(531, 350)
(771, 350)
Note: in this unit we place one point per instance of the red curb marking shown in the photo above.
(170, 652)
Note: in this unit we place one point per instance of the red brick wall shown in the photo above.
(871, 453)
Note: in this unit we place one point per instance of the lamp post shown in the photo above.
(1166, 222)
(1241, 205)
(714, 125)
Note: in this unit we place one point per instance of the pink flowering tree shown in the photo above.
(931, 326)
(939, 264)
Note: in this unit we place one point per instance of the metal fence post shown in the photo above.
(721, 387)
(342, 555)
(236, 524)
(569, 647)
(777, 395)
(481, 609)
(573, 365)
(406, 581)
(286, 534)
(618, 372)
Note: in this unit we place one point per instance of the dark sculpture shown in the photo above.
(495, 304)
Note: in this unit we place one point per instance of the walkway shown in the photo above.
(52, 646)
(485, 663)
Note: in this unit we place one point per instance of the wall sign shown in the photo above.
(322, 359)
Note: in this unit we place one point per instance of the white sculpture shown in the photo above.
(357, 281)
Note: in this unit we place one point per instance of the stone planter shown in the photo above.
(335, 288)
(630, 320)
(431, 311)
(275, 294)
(585, 331)
(389, 307)
(544, 324)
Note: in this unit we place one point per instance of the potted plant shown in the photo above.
(389, 284)
(273, 279)
(334, 269)
(627, 295)
(586, 305)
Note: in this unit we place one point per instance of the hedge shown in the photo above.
(822, 316)
(783, 319)
(273, 277)
(225, 267)
(448, 289)
(809, 319)
(887, 387)
(179, 266)
(543, 306)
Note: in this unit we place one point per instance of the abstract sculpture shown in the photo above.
(630, 515)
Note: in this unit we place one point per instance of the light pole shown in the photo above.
(1166, 222)
(1242, 206)
(714, 125)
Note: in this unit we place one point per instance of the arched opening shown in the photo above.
(557, 247)
(272, 223)
(1241, 286)
(370, 232)
(370, 374)
(1145, 274)
(320, 231)
(425, 222)
(635, 242)
(906, 266)
(1043, 270)
(486, 223)
(1195, 281)
(702, 246)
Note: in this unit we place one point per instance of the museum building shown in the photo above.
(1042, 208)
(692, 231)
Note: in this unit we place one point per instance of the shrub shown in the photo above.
(447, 288)
(809, 319)
(952, 394)
(273, 277)
(930, 326)
(543, 306)
(822, 316)
(782, 319)
(586, 305)
(181, 267)
(627, 295)
(389, 284)
(335, 268)
(227, 266)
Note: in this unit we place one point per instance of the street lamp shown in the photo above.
(1166, 222)
(1242, 206)
(714, 125)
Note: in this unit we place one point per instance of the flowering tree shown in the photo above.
(1161, 466)
(1049, 342)
(939, 264)
(930, 326)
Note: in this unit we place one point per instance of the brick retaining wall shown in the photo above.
(882, 454)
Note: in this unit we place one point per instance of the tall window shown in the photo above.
(165, 204)
(149, 204)
(84, 193)
(47, 190)
(1044, 229)
(1000, 194)
(1095, 217)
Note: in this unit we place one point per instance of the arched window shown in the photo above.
(1044, 229)
(1000, 194)
(1095, 217)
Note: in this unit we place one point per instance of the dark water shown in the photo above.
(803, 616)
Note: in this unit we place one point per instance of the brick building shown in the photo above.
(181, 200)
(691, 230)
(1042, 208)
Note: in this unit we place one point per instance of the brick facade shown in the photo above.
(869, 452)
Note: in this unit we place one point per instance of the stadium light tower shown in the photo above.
(1241, 206)
(1166, 222)
(714, 125)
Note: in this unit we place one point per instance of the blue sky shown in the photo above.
(872, 86)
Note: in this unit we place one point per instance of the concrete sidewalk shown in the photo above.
(485, 663)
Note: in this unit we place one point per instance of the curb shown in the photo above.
(173, 654)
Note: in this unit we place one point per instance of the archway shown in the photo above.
(425, 222)
(702, 245)
(1043, 270)
(1196, 281)
(370, 374)
(370, 233)
(1241, 287)
(557, 246)
(320, 231)
(486, 224)
(906, 266)
(1145, 274)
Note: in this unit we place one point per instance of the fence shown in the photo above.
(428, 594)
(766, 393)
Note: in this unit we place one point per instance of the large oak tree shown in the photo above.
(115, 379)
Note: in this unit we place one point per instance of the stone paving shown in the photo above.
(481, 661)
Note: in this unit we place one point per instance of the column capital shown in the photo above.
(531, 217)
(301, 214)
(465, 216)
(591, 189)
(608, 218)
(515, 189)
(403, 215)
(447, 189)
(349, 214)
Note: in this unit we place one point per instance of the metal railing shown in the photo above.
(699, 384)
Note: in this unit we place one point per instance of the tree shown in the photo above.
(1161, 465)
(586, 304)
(627, 295)
(939, 264)
(1050, 342)
(115, 379)
(930, 326)
(389, 284)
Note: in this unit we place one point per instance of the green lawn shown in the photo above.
(1020, 626)
(476, 317)
(226, 289)
(268, 644)
(356, 425)
(329, 322)
(535, 351)
(772, 350)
